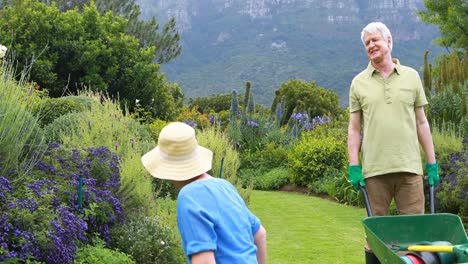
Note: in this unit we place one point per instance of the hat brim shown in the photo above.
(162, 167)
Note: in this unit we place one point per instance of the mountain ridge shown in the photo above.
(267, 42)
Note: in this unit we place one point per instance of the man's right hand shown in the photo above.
(355, 176)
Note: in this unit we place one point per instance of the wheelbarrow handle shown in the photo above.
(431, 194)
(366, 200)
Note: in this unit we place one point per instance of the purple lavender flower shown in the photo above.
(54, 145)
(57, 197)
(252, 123)
(190, 123)
(5, 187)
(212, 119)
(309, 126)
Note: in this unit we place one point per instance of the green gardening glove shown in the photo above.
(355, 176)
(433, 173)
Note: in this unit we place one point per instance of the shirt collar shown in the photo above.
(370, 69)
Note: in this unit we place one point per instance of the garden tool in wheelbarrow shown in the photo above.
(399, 239)
(456, 253)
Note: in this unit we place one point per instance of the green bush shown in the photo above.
(65, 124)
(107, 125)
(346, 194)
(445, 144)
(452, 191)
(223, 152)
(328, 183)
(155, 128)
(52, 108)
(272, 180)
(20, 133)
(226, 160)
(314, 157)
(248, 176)
(98, 254)
(147, 240)
(83, 100)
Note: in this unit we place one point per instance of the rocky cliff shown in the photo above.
(227, 42)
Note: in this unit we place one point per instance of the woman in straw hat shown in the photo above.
(215, 224)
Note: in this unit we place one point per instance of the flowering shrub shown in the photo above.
(300, 122)
(148, 240)
(42, 218)
(452, 192)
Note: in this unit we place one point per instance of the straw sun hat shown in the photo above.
(178, 156)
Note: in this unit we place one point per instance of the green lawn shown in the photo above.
(304, 229)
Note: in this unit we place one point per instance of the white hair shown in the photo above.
(375, 28)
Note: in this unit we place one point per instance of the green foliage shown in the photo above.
(270, 156)
(346, 193)
(216, 103)
(452, 194)
(147, 31)
(450, 16)
(65, 124)
(315, 157)
(272, 180)
(223, 152)
(233, 129)
(193, 117)
(301, 96)
(226, 160)
(155, 128)
(449, 104)
(451, 72)
(52, 108)
(99, 254)
(106, 125)
(147, 240)
(427, 78)
(446, 143)
(21, 136)
(87, 49)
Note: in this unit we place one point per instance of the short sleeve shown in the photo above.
(255, 222)
(196, 226)
(354, 104)
(421, 99)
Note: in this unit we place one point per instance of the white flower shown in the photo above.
(137, 101)
(162, 242)
(3, 51)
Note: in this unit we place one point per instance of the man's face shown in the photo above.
(376, 46)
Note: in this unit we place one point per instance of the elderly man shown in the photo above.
(387, 124)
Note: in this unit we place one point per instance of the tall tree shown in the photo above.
(69, 50)
(165, 40)
(452, 18)
(308, 97)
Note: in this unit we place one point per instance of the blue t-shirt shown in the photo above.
(211, 215)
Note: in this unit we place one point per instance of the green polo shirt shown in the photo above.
(389, 137)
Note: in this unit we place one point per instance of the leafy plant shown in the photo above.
(272, 180)
(21, 137)
(452, 192)
(105, 124)
(52, 108)
(97, 253)
(147, 240)
(314, 157)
